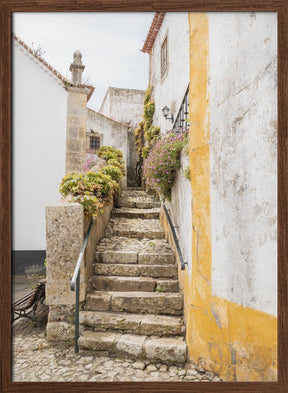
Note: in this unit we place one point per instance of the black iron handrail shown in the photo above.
(75, 284)
(175, 238)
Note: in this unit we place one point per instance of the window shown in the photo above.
(94, 142)
(164, 56)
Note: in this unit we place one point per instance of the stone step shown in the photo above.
(136, 302)
(166, 350)
(149, 324)
(126, 284)
(137, 199)
(135, 257)
(131, 250)
(136, 213)
(135, 227)
(133, 270)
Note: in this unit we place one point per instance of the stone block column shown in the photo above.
(65, 230)
(76, 118)
(64, 236)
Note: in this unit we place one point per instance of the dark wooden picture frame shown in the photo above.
(7, 7)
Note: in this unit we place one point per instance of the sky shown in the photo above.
(110, 44)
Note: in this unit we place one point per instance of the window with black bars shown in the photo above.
(94, 142)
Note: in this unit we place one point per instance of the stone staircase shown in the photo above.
(134, 308)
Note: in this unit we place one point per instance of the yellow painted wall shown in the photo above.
(238, 343)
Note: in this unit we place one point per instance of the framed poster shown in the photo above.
(218, 70)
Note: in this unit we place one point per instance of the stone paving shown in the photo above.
(35, 360)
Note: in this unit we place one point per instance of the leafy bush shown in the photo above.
(113, 171)
(92, 190)
(163, 162)
(108, 153)
(119, 163)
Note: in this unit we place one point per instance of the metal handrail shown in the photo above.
(75, 284)
(175, 238)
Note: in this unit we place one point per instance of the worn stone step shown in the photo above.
(133, 270)
(132, 246)
(166, 350)
(135, 227)
(135, 257)
(136, 302)
(125, 284)
(137, 199)
(149, 324)
(136, 213)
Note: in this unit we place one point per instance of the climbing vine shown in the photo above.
(145, 132)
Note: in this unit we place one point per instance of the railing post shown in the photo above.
(77, 313)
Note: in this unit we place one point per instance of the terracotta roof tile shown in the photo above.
(153, 31)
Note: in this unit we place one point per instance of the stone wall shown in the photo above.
(123, 105)
(76, 129)
(65, 231)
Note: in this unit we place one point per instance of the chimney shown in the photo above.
(77, 68)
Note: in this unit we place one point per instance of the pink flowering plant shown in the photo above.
(163, 161)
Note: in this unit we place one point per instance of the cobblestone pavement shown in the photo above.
(34, 360)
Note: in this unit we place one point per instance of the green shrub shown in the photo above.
(119, 163)
(113, 171)
(92, 190)
(108, 152)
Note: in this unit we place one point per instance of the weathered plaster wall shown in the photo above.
(114, 133)
(243, 148)
(123, 105)
(237, 341)
(39, 137)
(180, 209)
(170, 88)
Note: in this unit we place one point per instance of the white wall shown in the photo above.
(170, 89)
(180, 208)
(243, 140)
(39, 134)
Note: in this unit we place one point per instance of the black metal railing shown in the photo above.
(75, 284)
(175, 238)
(182, 118)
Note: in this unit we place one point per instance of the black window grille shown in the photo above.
(94, 142)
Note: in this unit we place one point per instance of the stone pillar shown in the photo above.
(65, 229)
(76, 118)
(64, 238)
